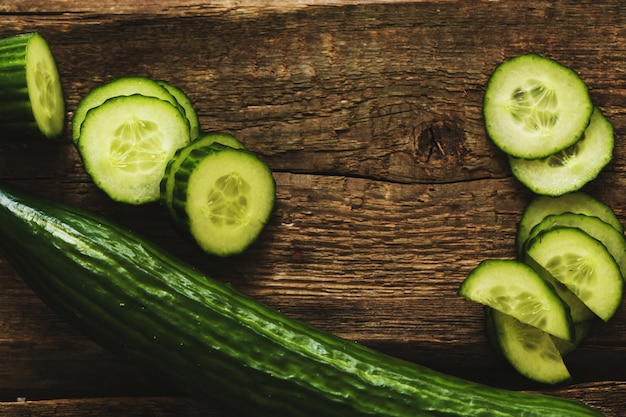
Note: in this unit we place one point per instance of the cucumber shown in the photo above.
(213, 342)
(516, 289)
(123, 86)
(31, 95)
(222, 198)
(535, 107)
(531, 351)
(572, 168)
(583, 265)
(126, 143)
(595, 227)
(577, 202)
(188, 109)
(167, 182)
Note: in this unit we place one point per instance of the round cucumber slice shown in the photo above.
(595, 227)
(124, 86)
(516, 289)
(572, 168)
(126, 143)
(223, 197)
(582, 264)
(576, 202)
(531, 351)
(535, 107)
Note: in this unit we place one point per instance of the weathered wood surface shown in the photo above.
(388, 190)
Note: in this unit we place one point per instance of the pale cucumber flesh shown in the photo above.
(531, 351)
(535, 107)
(167, 183)
(583, 265)
(126, 143)
(612, 240)
(124, 86)
(32, 101)
(516, 289)
(223, 198)
(577, 202)
(572, 168)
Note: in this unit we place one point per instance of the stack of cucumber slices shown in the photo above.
(140, 142)
(539, 112)
(570, 247)
(569, 271)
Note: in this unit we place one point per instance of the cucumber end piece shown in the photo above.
(44, 88)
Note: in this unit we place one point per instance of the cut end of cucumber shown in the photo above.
(516, 289)
(44, 87)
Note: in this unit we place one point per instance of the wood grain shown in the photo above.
(389, 192)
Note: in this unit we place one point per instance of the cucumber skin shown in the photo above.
(16, 114)
(217, 344)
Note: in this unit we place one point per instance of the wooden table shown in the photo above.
(389, 191)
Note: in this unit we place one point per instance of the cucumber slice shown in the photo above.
(535, 107)
(595, 227)
(31, 98)
(579, 312)
(516, 289)
(577, 202)
(531, 351)
(167, 183)
(185, 103)
(223, 197)
(583, 265)
(572, 168)
(126, 143)
(124, 86)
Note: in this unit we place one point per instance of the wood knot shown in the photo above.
(439, 141)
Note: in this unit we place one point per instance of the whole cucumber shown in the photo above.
(217, 344)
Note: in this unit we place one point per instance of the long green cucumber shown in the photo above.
(217, 344)
(31, 96)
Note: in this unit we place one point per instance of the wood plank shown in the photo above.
(389, 191)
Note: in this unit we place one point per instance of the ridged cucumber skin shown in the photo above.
(16, 110)
(217, 344)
